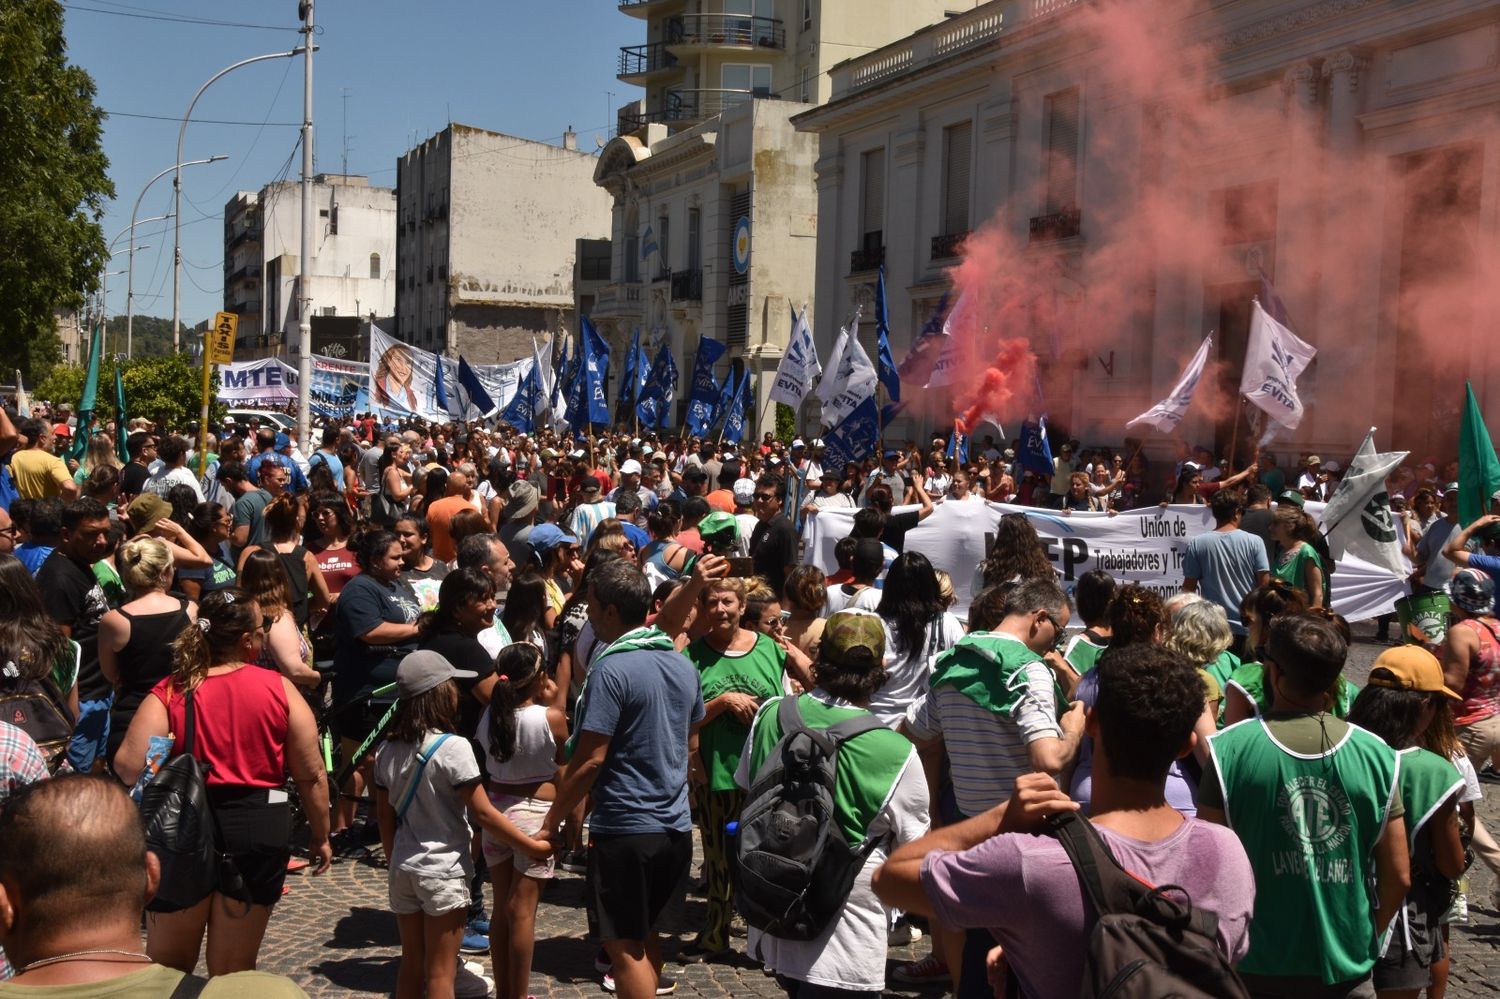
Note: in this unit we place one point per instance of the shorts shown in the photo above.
(91, 734)
(526, 814)
(411, 893)
(253, 831)
(632, 879)
(1401, 969)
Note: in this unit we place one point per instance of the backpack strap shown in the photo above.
(190, 987)
(1113, 890)
(414, 779)
(189, 726)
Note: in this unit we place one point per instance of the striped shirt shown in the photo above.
(587, 517)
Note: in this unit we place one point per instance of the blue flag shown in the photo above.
(596, 374)
(958, 444)
(703, 396)
(655, 408)
(577, 400)
(721, 407)
(1036, 454)
(886, 364)
(739, 408)
(629, 381)
(472, 394)
(854, 439)
(522, 409)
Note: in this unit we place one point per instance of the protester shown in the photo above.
(35, 470)
(918, 629)
(40, 680)
(1092, 595)
(285, 650)
(1226, 563)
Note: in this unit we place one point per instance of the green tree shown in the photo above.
(149, 335)
(786, 422)
(53, 183)
(167, 390)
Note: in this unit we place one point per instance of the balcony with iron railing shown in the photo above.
(648, 8)
(866, 259)
(642, 63)
(946, 246)
(710, 31)
(683, 107)
(1055, 226)
(687, 286)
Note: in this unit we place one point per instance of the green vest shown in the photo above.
(757, 673)
(1223, 667)
(1427, 780)
(868, 765)
(1251, 678)
(1309, 825)
(1083, 655)
(988, 667)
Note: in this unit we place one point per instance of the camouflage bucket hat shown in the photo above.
(853, 629)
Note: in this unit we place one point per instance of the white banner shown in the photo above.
(403, 378)
(1273, 360)
(264, 381)
(1145, 547)
(340, 389)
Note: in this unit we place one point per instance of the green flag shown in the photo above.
(1478, 468)
(120, 417)
(89, 399)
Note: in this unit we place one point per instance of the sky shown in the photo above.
(530, 69)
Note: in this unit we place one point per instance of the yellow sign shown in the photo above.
(221, 338)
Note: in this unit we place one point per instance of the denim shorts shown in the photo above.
(91, 734)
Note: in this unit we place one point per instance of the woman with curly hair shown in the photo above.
(1017, 555)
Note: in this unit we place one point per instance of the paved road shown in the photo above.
(334, 936)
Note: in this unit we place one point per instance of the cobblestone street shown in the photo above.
(335, 937)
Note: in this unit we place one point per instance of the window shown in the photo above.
(806, 85)
(807, 15)
(664, 243)
(745, 78)
(1061, 166)
(374, 267)
(872, 200)
(957, 140)
(695, 239)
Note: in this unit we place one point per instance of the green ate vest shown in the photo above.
(1309, 825)
(868, 764)
(1082, 654)
(757, 673)
(988, 667)
(1251, 678)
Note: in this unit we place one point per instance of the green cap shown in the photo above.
(853, 629)
(1291, 496)
(719, 530)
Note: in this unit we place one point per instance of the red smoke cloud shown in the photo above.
(1184, 183)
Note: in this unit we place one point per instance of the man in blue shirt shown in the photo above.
(634, 740)
(1487, 559)
(1227, 563)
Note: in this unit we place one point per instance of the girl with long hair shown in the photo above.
(35, 656)
(804, 595)
(1199, 632)
(286, 650)
(1016, 555)
(520, 733)
(135, 640)
(251, 728)
(527, 615)
(395, 485)
(306, 588)
(427, 786)
(1245, 694)
(210, 526)
(1298, 564)
(917, 628)
(100, 453)
(1406, 703)
(419, 568)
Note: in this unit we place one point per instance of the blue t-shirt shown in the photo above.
(1489, 564)
(33, 555)
(646, 702)
(637, 537)
(1226, 565)
(334, 465)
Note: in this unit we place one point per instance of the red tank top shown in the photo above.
(241, 722)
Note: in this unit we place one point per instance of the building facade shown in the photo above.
(486, 247)
(714, 218)
(1345, 154)
(353, 267)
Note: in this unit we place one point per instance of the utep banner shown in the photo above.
(266, 381)
(1146, 547)
(340, 389)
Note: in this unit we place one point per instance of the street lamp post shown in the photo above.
(177, 186)
(130, 267)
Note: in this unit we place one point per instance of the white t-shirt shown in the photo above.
(907, 676)
(850, 952)
(162, 482)
(432, 840)
(839, 598)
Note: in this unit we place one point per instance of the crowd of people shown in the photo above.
(493, 656)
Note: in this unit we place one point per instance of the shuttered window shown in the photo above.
(872, 212)
(1062, 151)
(957, 140)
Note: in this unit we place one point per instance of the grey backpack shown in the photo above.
(795, 867)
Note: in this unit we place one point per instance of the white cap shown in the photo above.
(1330, 466)
(744, 491)
(577, 454)
(634, 441)
(630, 467)
(818, 442)
(799, 443)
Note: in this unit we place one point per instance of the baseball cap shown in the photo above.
(818, 442)
(849, 630)
(1010, 452)
(1411, 667)
(744, 491)
(718, 530)
(548, 453)
(545, 537)
(891, 453)
(799, 442)
(1313, 459)
(1330, 466)
(588, 485)
(579, 453)
(1291, 496)
(282, 440)
(1472, 591)
(521, 499)
(419, 672)
(1451, 487)
(630, 467)
(146, 511)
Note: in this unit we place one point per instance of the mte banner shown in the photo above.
(1147, 547)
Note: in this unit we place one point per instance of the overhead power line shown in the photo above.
(200, 121)
(141, 14)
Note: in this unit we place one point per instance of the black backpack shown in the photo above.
(39, 709)
(179, 826)
(794, 867)
(1148, 942)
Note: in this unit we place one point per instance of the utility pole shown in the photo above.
(304, 326)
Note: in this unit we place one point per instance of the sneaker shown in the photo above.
(475, 943)
(928, 971)
(574, 862)
(602, 963)
(664, 986)
(468, 985)
(480, 924)
(694, 952)
(903, 933)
